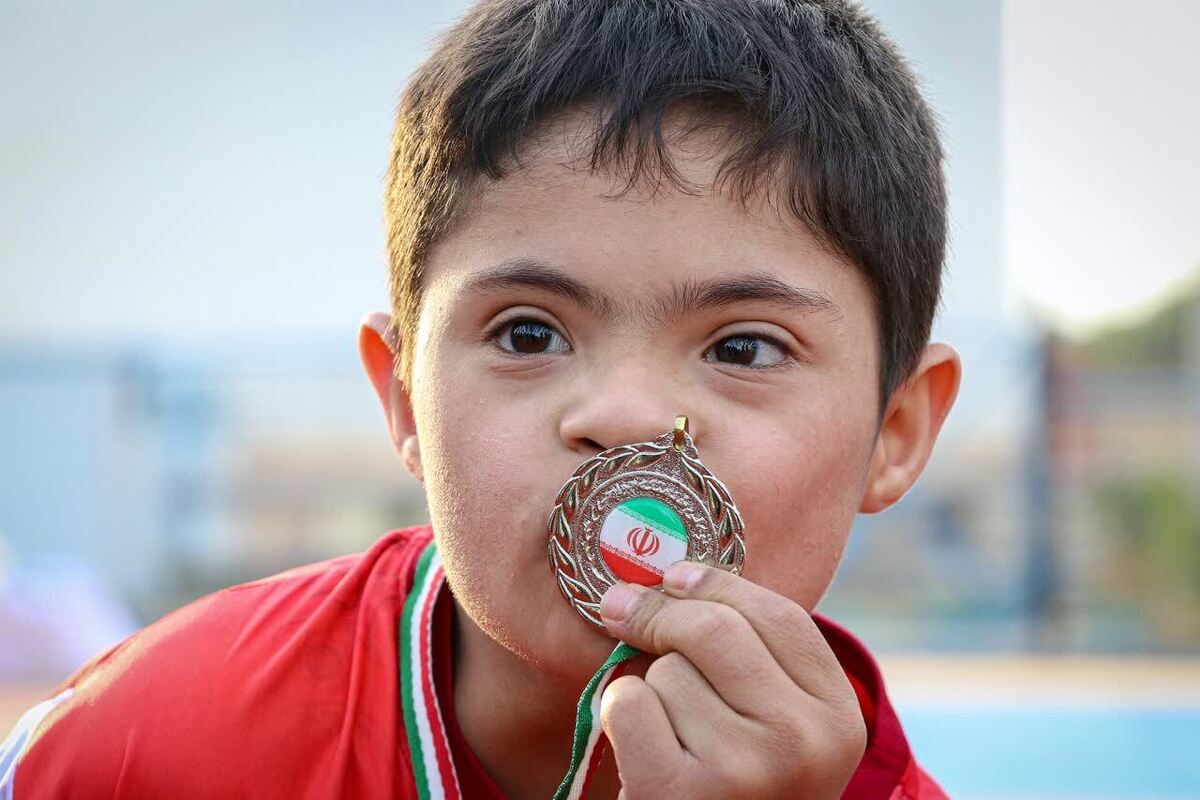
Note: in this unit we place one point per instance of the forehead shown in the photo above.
(638, 251)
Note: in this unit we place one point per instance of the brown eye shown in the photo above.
(750, 351)
(530, 337)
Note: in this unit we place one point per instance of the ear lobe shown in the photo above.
(377, 350)
(911, 426)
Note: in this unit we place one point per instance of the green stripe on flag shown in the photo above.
(656, 514)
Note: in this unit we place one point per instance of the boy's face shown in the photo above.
(514, 385)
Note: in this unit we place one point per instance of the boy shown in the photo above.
(600, 214)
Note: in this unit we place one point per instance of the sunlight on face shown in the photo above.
(559, 321)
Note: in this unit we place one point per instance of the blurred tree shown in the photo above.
(1155, 522)
(1151, 512)
(1161, 340)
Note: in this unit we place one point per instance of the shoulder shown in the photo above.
(888, 768)
(210, 692)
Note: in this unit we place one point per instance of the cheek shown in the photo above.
(488, 482)
(798, 495)
(491, 476)
(482, 474)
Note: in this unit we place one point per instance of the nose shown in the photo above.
(624, 406)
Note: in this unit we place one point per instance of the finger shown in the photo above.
(714, 637)
(702, 721)
(640, 732)
(786, 629)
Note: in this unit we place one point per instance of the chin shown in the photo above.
(556, 640)
(515, 602)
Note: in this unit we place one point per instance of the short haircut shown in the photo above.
(827, 117)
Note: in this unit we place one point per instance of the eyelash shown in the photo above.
(787, 360)
(494, 335)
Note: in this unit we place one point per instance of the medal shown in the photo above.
(630, 511)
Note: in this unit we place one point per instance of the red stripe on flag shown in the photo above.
(438, 732)
(627, 569)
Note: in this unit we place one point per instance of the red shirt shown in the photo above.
(288, 687)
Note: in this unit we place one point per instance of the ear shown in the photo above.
(910, 426)
(377, 347)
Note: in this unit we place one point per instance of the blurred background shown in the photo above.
(190, 231)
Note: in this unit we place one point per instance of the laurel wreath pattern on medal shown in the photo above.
(727, 520)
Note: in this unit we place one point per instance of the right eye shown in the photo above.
(527, 337)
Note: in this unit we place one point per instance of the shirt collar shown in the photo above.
(882, 767)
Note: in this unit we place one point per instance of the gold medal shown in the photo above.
(632, 510)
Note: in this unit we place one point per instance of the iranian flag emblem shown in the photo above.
(641, 538)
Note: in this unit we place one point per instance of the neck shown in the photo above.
(517, 720)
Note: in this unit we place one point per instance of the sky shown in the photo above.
(214, 169)
(1102, 155)
(191, 170)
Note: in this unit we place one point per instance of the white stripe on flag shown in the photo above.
(615, 532)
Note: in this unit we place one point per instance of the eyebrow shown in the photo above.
(681, 299)
(533, 274)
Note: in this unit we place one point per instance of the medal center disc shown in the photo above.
(640, 538)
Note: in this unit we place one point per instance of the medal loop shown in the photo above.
(681, 429)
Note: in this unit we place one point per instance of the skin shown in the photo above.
(746, 699)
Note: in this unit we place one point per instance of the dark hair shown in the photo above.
(827, 116)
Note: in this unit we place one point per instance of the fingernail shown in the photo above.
(682, 576)
(618, 602)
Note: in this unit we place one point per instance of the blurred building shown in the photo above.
(175, 473)
(1122, 418)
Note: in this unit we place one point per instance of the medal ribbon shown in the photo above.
(433, 766)
(587, 747)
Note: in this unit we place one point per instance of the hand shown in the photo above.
(746, 700)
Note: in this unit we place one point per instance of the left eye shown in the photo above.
(746, 350)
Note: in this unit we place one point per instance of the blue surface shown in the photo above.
(1059, 752)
